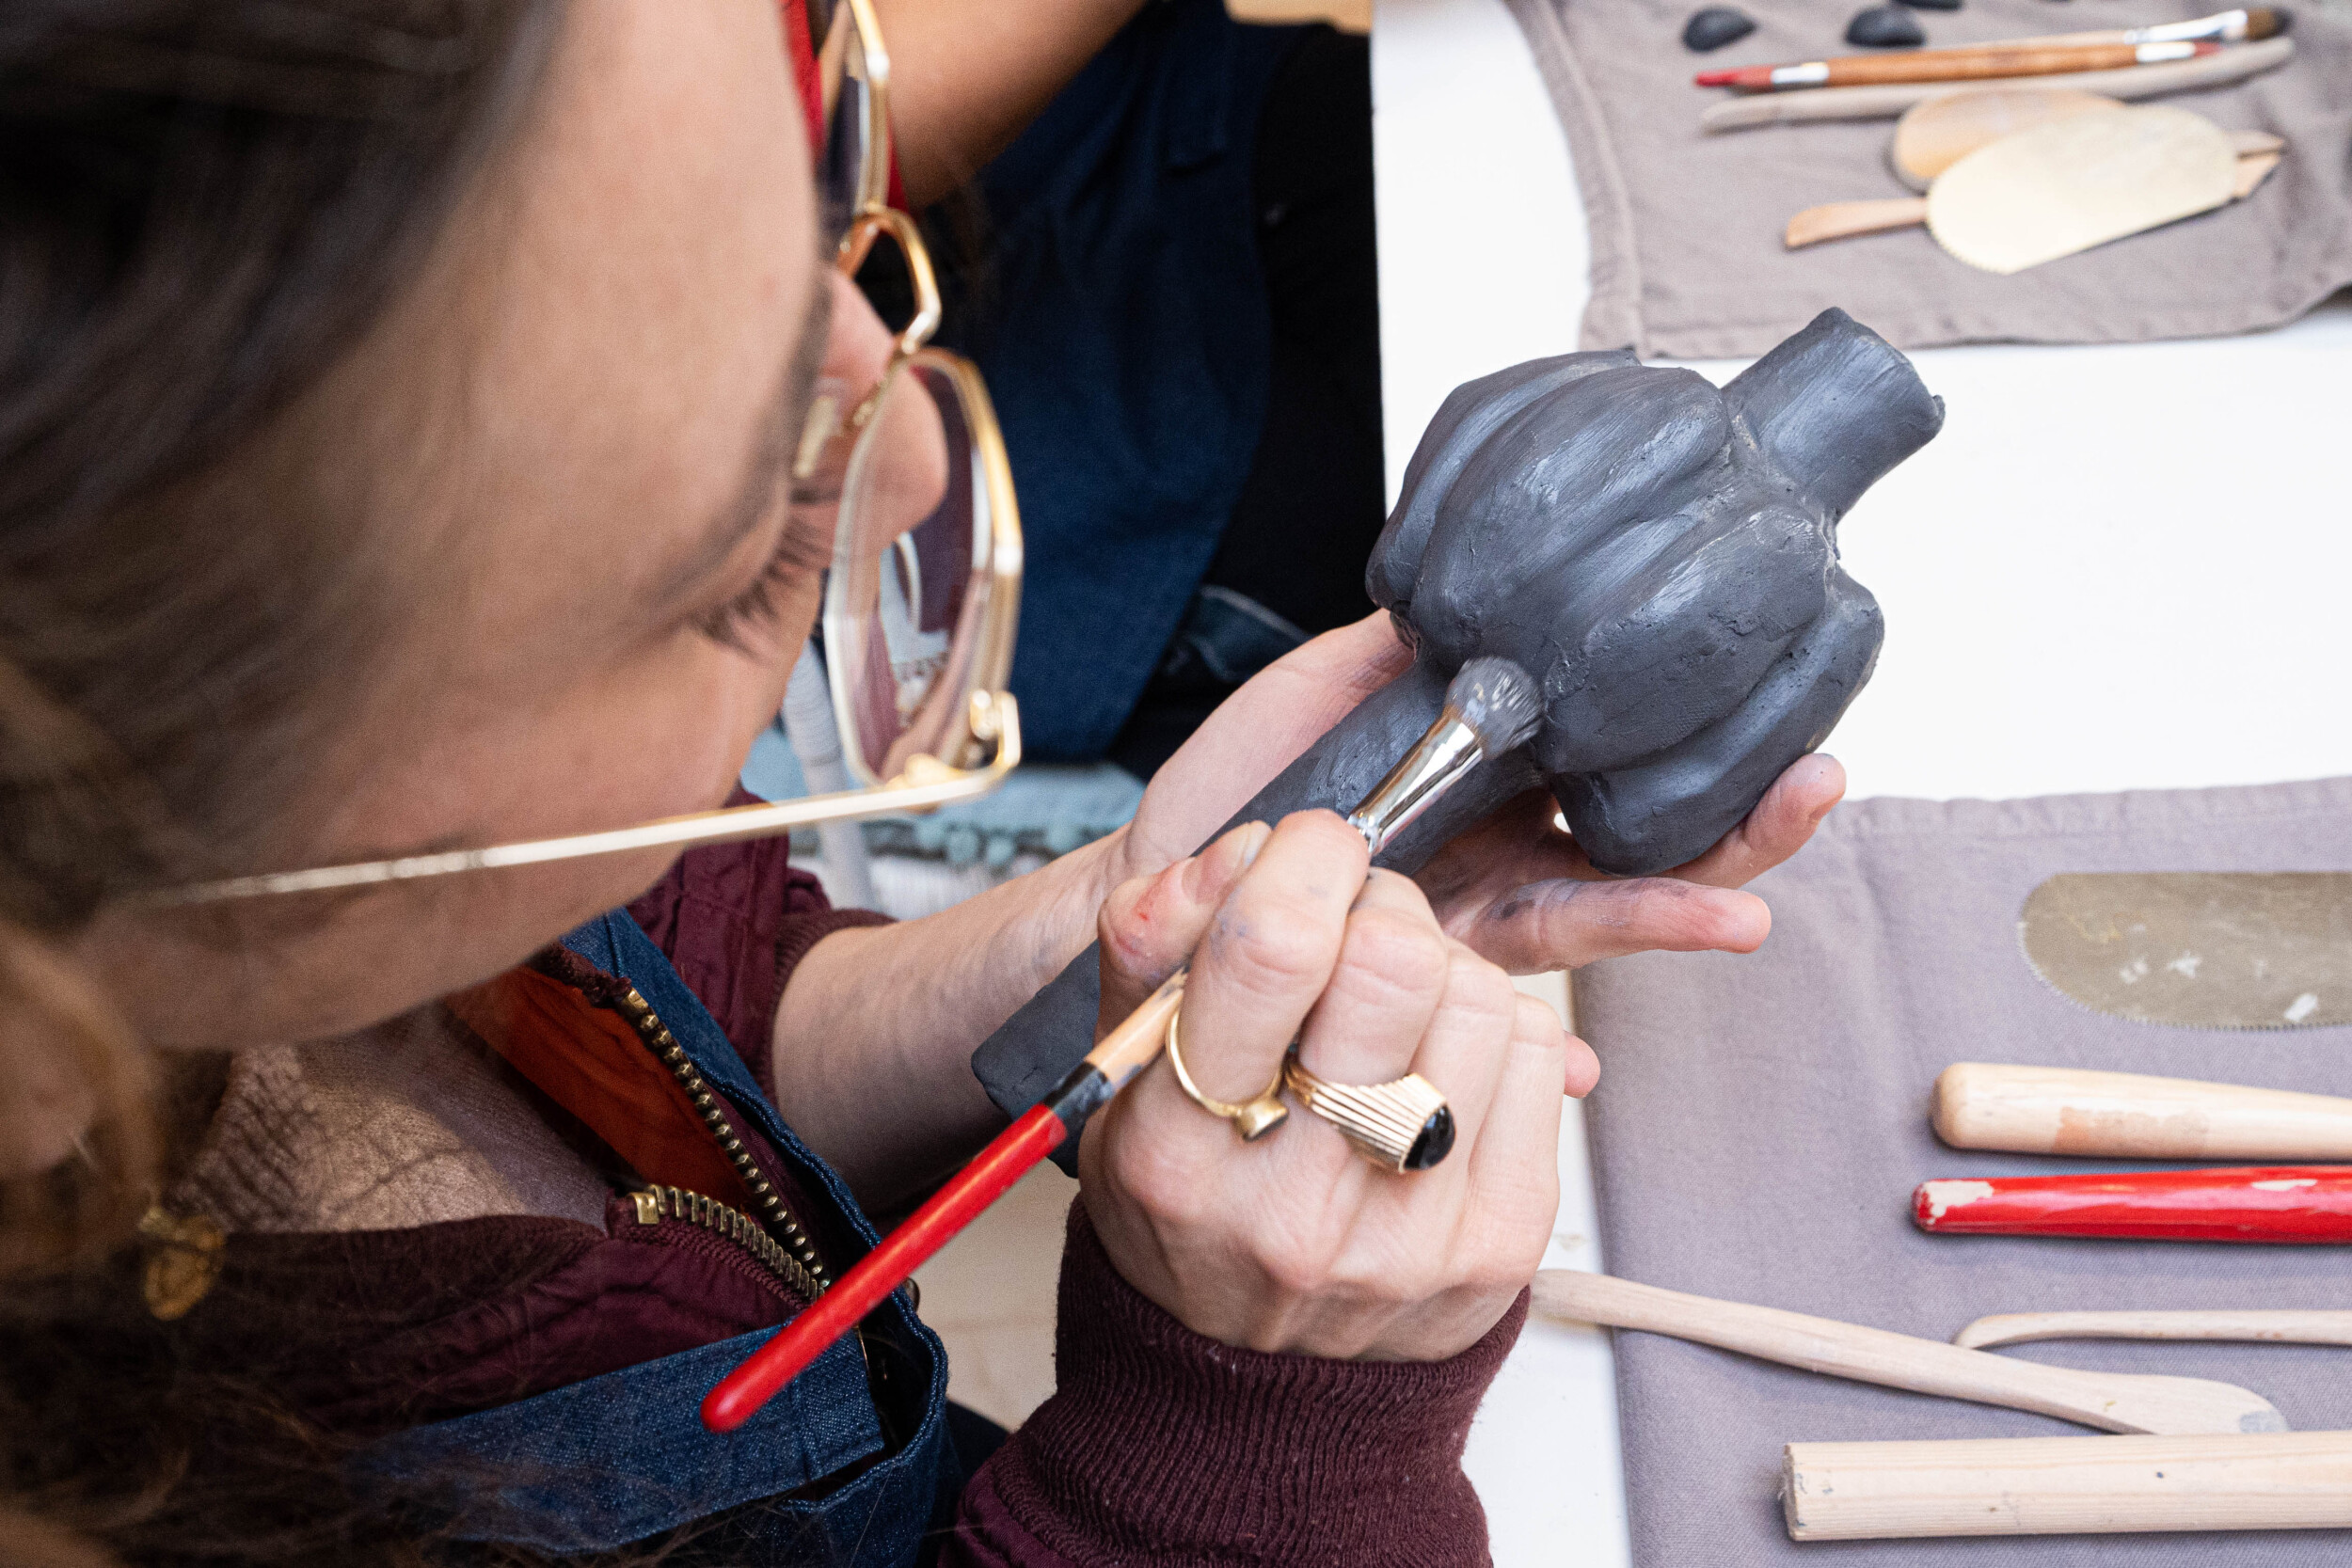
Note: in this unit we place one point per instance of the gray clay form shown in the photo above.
(1885, 27)
(1714, 27)
(1931, 5)
(1660, 556)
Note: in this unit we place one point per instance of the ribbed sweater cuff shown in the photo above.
(1162, 1447)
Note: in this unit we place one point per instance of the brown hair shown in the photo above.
(204, 205)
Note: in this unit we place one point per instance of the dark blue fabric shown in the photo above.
(614, 1459)
(1124, 331)
(621, 1457)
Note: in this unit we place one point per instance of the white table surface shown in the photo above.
(2118, 567)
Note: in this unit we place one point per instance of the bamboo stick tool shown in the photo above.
(2067, 1485)
(2130, 1116)
(2278, 1326)
(1492, 707)
(2110, 1401)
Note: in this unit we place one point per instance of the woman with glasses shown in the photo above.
(431, 432)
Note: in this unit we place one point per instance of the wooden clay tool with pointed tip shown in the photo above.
(2111, 1401)
(2270, 1325)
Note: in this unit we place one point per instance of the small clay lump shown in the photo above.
(1885, 27)
(1931, 5)
(1714, 27)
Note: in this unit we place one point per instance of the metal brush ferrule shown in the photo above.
(1440, 757)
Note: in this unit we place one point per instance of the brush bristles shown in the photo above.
(2267, 22)
(1498, 701)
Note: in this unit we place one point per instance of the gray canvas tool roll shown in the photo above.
(1686, 253)
(1761, 1120)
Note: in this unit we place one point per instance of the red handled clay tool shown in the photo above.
(1492, 707)
(2262, 1203)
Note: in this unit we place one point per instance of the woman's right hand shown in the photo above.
(1295, 1244)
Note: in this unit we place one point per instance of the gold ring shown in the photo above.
(1253, 1120)
(1404, 1124)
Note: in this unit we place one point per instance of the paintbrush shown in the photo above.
(1984, 63)
(2250, 26)
(1490, 708)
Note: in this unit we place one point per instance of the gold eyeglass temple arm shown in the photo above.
(926, 785)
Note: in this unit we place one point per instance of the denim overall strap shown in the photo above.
(622, 1456)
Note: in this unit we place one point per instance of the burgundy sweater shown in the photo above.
(1158, 1446)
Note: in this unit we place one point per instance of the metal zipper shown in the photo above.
(773, 1217)
(655, 1204)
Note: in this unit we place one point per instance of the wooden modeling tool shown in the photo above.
(2111, 1401)
(2063, 186)
(2067, 1485)
(2197, 949)
(1933, 136)
(2253, 1326)
(1980, 64)
(2129, 1115)
(2286, 1205)
(1492, 707)
(2235, 64)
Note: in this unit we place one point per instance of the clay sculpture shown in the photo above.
(1660, 555)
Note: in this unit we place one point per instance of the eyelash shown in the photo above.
(756, 608)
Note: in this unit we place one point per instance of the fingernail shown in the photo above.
(1214, 869)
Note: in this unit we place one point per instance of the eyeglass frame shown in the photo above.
(991, 714)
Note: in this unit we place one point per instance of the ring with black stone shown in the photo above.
(1402, 1125)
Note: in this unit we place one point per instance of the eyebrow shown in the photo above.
(776, 438)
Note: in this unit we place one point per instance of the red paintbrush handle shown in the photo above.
(1004, 1161)
(2267, 1203)
(1117, 1057)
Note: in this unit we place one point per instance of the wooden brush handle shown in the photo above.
(1977, 65)
(1841, 220)
(2127, 1116)
(2111, 1401)
(2276, 1325)
(2067, 1485)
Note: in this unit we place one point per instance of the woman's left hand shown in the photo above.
(1516, 890)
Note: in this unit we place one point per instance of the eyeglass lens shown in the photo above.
(847, 111)
(903, 604)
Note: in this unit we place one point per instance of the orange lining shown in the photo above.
(588, 1060)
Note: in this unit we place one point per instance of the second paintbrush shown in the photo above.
(1987, 63)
